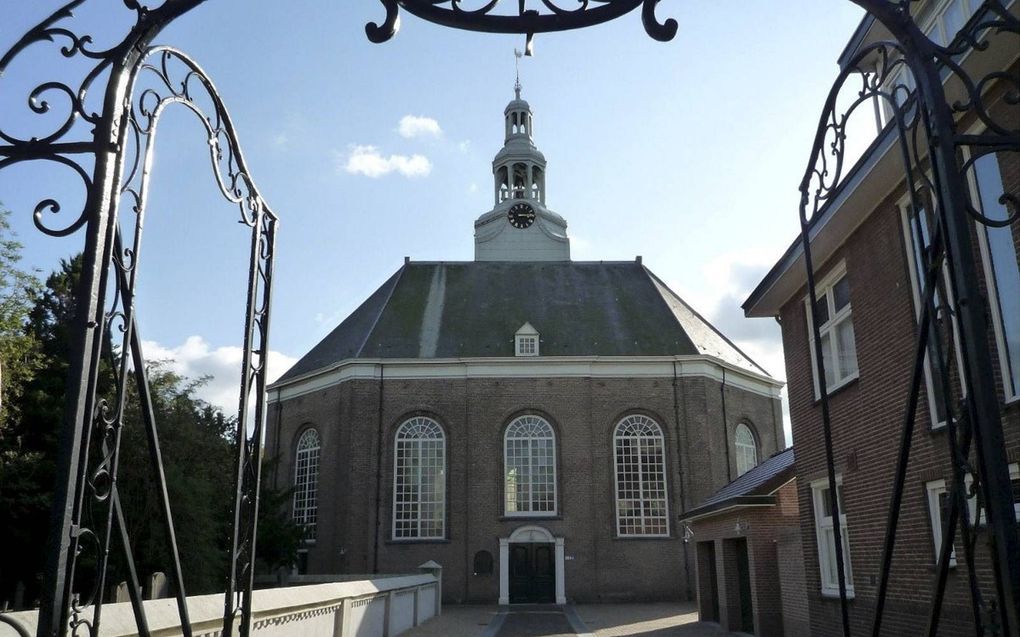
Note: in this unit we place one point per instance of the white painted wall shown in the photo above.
(382, 607)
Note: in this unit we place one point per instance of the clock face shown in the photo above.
(521, 215)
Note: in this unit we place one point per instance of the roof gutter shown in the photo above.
(728, 506)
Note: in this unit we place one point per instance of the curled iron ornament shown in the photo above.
(527, 20)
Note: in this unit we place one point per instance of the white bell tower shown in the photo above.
(520, 227)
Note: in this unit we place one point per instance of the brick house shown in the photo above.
(866, 253)
(750, 577)
(531, 423)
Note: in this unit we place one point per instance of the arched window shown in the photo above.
(747, 449)
(640, 462)
(306, 481)
(529, 454)
(419, 480)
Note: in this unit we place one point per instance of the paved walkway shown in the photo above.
(588, 620)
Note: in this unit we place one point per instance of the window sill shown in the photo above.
(417, 541)
(839, 387)
(834, 594)
(641, 538)
(531, 516)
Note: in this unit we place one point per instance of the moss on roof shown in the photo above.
(578, 308)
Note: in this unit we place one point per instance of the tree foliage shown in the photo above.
(196, 439)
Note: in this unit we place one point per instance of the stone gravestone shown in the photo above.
(122, 594)
(158, 587)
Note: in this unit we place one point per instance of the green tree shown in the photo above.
(198, 451)
(19, 351)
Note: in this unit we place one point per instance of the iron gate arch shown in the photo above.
(978, 419)
(122, 148)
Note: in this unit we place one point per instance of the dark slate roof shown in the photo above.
(472, 310)
(754, 487)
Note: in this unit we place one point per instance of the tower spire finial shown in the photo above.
(517, 65)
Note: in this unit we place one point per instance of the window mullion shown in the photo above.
(417, 496)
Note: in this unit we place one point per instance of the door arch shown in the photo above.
(531, 535)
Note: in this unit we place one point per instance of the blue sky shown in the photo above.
(688, 153)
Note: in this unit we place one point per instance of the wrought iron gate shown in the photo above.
(138, 82)
(925, 122)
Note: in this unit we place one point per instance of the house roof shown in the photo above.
(472, 310)
(756, 487)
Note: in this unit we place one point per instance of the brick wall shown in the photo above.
(867, 419)
(357, 424)
(776, 583)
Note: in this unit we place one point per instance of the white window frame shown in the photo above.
(936, 21)
(822, 291)
(655, 438)
(531, 439)
(972, 501)
(742, 449)
(415, 445)
(1011, 393)
(823, 521)
(915, 286)
(526, 344)
(306, 483)
(933, 490)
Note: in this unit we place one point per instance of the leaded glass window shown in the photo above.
(306, 482)
(640, 462)
(747, 449)
(419, 480)
(529, 452)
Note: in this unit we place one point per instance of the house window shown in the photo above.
(527, 346)
(747, 450)
(821, 497)
(976, 501)
(948, 19)
(306, 482)
(419, 481)
(1002, 271)
(529, 453)
(640, 462)
(917, 228)
(839, 351)
(938, 513)
(526, 341)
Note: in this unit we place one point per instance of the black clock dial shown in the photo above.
(521, 215)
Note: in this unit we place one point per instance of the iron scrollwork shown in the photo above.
(927, 93)
(525, 20)
(108, 142)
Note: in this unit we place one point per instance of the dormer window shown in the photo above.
(526, 341)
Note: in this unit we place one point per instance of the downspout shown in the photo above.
(777, 424)
(680, 476)
(279, 428)
(378, 475)
(726, 428)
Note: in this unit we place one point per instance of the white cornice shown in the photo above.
(541, 367)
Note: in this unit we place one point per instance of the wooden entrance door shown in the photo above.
(532, 574)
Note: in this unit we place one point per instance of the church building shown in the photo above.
(535, 425)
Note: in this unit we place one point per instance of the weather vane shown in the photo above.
(517, 66)
(525, 21)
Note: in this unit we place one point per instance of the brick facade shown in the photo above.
(776, 584)
(357, 420)
(866, 418)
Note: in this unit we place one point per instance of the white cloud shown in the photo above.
(473, 188)
(730, 279)
(281, 140)
(419, 126)
(464, 146)
(368, 161)
(196, 358)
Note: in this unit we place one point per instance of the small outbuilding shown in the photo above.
(750, 572)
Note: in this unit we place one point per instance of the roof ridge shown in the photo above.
(382, 308)
(705, 321)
